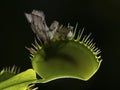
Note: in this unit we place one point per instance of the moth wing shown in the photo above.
(29, 17)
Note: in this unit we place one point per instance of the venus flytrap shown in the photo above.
(59, 54)
(56, 54)
(10, 80)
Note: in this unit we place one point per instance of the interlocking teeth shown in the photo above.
(32, 87)
(13, 69)
(86, 41)
(56, 32)
(80, 33)
(35, 88)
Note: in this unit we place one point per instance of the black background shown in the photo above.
(101, 17)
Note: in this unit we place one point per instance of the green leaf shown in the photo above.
(65, 59)
(19, 81)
